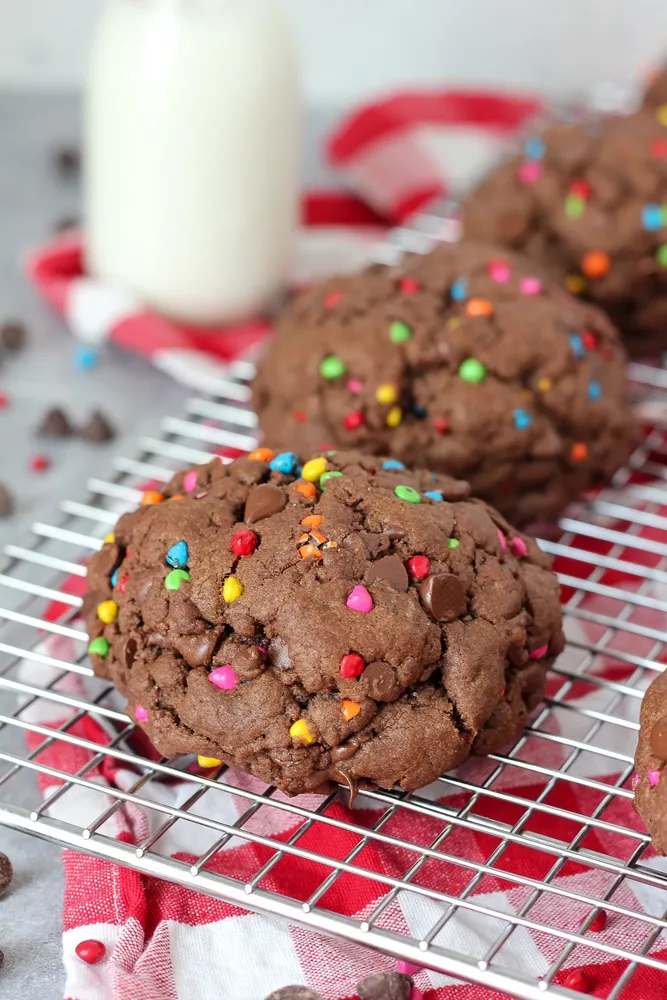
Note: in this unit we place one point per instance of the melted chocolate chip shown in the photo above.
(379, 681)
(375, 543)
(392, 571)
(659, 739)
(264, 501)
(197, 650)
(130, 652)
(443, 596)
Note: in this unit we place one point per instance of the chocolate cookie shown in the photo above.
(344, 619)
(463, 361)
(649, 783)
(585, 201)
(655, 93)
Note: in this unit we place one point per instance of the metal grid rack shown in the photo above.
(545, 825)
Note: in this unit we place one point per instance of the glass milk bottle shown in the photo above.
(191, 154)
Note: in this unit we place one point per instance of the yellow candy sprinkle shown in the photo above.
(208, 761)
(107, 612)
(544, 384)
(312, 470)
(110, 538)
(231, 589)
(661, 114)
(299, 731)
(386, 394)
(575, 284)
(526, 394)
(394, 416)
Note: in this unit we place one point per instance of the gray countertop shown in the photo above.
(134, 395)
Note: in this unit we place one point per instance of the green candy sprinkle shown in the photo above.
(399, 332)
(661, 255)
(99, 647)
(453, 543)
(174, 579)
(326, 476)
(574, 206)
(472, 370)
(407, 493)
(332, 367)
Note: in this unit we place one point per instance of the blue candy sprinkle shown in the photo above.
(534, 149)
(522, 420)
(577, 345)
(434, 495)
(652, 217)
(392, 463)
(285, 462)
(177, 556)
(459, 290)
(594, 390)
(419, 411)
(85, 358)
(114, 578)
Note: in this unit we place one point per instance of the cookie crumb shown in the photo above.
(67, 160)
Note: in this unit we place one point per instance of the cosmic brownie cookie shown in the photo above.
(464, 361)
(655, 93)
(649, 783)
(588, 202)
(345, 619)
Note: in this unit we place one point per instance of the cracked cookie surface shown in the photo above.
(463, 361)
(585, 201)
(342, 620)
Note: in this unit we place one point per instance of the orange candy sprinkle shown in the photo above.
(177, 496)
(479, 307)
(310, 552)
(303, 538)
(150, 497)
(318, 536)
(306, 489)
(595, 264)
(350, 709)
(579, 452)
(262, 455)
(312, 521)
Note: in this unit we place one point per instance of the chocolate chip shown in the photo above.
(67, 161)
(66, 222)
(2, 958)
(55, 423)
(392, 571)
(197, 650)
(385, 986)
(264, 501)
(13, 335)
(443, 595)
(375, 543)
(379, 681)
(295, 993)
(130, 652)
(6, 502)
(659, 739)
(6, 873)
(98, 429)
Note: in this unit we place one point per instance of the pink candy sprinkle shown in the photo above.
(518, 547)
(407, 968)
(653, 778)
(501, 539)
(635, 780)
(224, 678)
(190, 481)
(354, 385)
(540, 652)
(140, 714)
(529, 172)
(263, 650)
(499, 271)
(530, 286)
(360, 600)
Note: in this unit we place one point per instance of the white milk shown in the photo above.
(191, 154)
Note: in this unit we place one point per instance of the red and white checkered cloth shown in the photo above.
(165, 942)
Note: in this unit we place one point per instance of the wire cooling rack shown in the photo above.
(498, 872)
